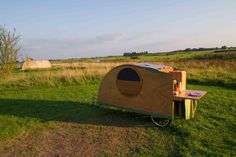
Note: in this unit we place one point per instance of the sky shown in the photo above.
(58, 29)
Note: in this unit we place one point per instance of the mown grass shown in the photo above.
(34, 103)
(210, 133)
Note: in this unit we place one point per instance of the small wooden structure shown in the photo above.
(35, 64)
(146, 88)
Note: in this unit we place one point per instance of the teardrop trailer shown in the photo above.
(152, 89)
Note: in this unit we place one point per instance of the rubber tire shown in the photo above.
(160, 125)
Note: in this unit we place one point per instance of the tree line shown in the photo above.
(217, 49)
(130, 54)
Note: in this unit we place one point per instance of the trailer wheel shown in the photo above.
(161, 123)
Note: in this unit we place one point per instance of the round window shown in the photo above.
(129, 82)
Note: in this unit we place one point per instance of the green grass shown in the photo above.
(174, 56)
(210, 133)
(35, 111)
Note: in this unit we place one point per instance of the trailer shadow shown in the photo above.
(75, 112)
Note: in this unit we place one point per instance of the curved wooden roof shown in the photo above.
(159, 67)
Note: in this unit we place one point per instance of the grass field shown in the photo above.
(50, 112)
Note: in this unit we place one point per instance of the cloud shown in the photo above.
(119, 42)
(77, 47)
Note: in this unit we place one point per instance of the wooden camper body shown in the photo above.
(144, 87)
(152, 93)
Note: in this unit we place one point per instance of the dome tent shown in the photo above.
(35, 64)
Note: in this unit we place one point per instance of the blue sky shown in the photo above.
(53, 29)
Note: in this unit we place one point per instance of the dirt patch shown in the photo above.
(70, 139)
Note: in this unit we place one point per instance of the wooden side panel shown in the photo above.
(180, 76)
(155, 96)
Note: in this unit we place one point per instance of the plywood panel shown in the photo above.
(187, 95)
(180, 76)
(155, 95)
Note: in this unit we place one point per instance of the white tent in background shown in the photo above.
(35, 64)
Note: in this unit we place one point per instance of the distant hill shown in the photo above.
(200, 53)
